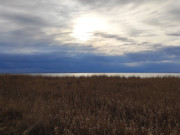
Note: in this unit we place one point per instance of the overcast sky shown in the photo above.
(89, 36)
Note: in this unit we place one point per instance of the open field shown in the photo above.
(89, 105)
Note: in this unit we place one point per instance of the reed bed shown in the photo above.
(97, 105)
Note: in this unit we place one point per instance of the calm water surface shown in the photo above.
(108, 74)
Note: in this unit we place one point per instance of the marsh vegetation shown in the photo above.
(35, 105)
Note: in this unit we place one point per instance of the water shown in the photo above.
(143, 75)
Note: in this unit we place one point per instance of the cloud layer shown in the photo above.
(140, 35)
(168, 61)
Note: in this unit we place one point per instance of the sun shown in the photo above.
(85, 26)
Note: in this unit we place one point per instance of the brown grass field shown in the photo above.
(98, 105)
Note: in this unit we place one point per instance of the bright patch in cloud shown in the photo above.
(85, 26)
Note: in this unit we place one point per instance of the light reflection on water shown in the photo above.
(108, 74)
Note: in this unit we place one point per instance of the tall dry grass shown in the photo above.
(35, 105)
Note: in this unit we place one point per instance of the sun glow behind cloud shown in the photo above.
(112, 28)
(85, 26)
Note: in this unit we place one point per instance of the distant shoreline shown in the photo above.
(142, 75)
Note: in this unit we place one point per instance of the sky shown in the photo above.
(54, 36)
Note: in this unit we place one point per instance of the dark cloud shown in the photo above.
(174, 34)
(162, 54)
(172, 50)
(23, 19)
(110, 4)
(159, 61)
(100, 2)
(174, 11)
(111, 36)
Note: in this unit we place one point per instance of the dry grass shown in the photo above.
(89, 105)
